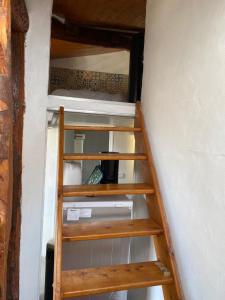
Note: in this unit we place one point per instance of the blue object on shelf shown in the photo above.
(96, 176)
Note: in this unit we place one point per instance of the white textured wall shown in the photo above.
(34, 145)
(184, 108)
(115, 62)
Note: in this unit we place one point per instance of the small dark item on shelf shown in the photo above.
(110, 169)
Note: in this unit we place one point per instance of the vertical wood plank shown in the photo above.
(18, 39)
(19, 26)
(59, 221)
(163, 245)
(6, 120)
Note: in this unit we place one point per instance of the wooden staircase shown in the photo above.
(90, 281)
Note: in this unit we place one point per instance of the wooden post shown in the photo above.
(59, 220)
(18, 111)
(6, 121)
(20, 24)
(11, 125)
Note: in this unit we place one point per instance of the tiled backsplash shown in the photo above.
(88, 80)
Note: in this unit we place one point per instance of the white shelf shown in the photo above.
(83, 105)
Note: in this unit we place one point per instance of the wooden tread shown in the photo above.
(106, 189)
(102, 128)
(110, 229)
(92, 281)
(105, 156)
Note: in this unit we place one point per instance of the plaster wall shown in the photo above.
(34, 145)
(116, 62)
(183, 100)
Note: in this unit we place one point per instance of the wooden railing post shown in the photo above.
(59, 221)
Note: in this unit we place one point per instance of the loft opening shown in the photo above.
(97, 49)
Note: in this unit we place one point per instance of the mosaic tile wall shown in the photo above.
(88, 80)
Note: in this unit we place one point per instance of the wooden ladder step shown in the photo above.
(102, 128)
(95, 230)
(76, 283)
(106, 189)
(105, 156)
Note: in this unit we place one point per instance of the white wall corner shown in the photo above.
(34, 144)
(184, 108)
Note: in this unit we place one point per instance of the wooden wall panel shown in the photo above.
(5, 141)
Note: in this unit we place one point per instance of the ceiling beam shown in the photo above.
(65, 49)
(99, 36)
(105, 13)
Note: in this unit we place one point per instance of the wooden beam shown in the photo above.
(19, 26)
(6, 120)
(18, 39)
(65, 49)
(114, 13)
(20, 19)
(98, 36)
(136, 68)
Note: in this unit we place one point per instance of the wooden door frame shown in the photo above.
(14, 23)
(136, 67)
